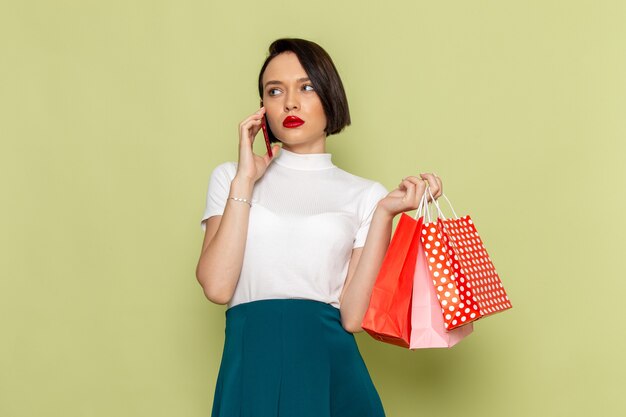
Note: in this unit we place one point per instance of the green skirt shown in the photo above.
(291, 358)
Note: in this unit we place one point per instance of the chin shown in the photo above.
(297, 135)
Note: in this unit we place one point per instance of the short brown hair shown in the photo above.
(323, 75)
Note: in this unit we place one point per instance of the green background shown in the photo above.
(113, 115)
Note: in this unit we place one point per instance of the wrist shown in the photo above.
(382, 213)
(241, 187)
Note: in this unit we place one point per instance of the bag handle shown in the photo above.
(452, 239)
(437, 204)
(422, 209)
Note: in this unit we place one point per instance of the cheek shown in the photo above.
(273, 123)
(321, 116)
(319, 112)
(272, 115)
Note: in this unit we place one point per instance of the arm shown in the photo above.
(362, 271)
(366, 262)
(221, 258)
(224, 242)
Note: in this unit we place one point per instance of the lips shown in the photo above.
(291, 122)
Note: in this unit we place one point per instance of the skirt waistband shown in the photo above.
(294, 305)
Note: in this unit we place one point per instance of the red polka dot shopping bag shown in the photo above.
(388, 317)
(467, 284)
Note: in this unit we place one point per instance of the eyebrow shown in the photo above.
(273, 82)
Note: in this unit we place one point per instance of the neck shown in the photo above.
(319, 146)
(304, 161)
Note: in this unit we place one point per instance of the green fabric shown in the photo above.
(291, 358)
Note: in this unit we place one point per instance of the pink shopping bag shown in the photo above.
(428, 329)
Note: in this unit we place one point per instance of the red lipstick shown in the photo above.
(292, 122)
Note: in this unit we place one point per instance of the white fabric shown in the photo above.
(306, 217)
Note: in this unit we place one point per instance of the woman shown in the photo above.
(293, 245)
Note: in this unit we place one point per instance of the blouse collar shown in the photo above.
(304, 161)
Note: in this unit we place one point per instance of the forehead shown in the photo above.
(284, 67)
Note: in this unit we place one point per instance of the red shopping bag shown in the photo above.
(427, 325)
(467, 284)
(388, 317)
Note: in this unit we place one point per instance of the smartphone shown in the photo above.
(268, 145)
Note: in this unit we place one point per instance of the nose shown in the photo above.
(291, 102)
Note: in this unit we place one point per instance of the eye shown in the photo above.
(273, 91)
(308, 87)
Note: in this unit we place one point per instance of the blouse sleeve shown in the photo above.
(217, 192)
(376, 193)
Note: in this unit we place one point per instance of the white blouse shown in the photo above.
(306, 217)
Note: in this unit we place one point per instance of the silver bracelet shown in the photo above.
(243, 200)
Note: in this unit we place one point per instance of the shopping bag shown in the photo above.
(467, 284)
(388, 317)
(427, 325)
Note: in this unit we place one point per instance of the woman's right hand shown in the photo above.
(251, 166)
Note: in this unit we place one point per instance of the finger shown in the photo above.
(255, 127)
(275, 150)
(420, 190)
(409, 186)
(408, 180)
(250, 119)
(417, 187)
(249, 129)
(440, 186)
(257, 115)
(420, 186)
(432, 183)
(413, 179)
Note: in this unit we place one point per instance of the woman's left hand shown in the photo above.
(409, 193)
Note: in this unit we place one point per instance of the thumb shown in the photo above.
(275, 152)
